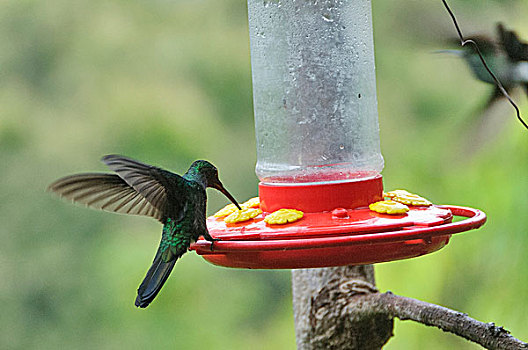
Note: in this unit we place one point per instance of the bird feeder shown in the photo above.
(318, 149)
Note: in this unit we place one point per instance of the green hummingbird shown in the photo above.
(178, 202)
(507, 59)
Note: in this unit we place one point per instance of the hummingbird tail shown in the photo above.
(154, 280)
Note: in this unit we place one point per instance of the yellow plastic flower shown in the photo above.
(242, 215)
(389, 207)
(225, 211)
(251, 203)
(283, 216)
(231, 208)
(407, 198)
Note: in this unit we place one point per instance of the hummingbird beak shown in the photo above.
(222, 189)
(458, 53)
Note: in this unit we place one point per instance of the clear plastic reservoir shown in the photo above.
(314, 90)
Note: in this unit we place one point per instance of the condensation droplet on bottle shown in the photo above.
(327, 17)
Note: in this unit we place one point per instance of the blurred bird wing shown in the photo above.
(105, 191)
(516, 49)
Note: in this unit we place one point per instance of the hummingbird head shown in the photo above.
(207, 174)
(487, 47)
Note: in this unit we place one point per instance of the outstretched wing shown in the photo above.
(515, 48)
(107, 192)
(153, 183)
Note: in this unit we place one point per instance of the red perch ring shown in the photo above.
(334, 237)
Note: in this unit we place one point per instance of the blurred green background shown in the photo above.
(168, 82)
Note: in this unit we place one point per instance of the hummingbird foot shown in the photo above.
(212, 242)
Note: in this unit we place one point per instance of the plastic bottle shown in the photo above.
(314, 90)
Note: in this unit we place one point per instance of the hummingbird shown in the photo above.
(507, 58)
(178, 202)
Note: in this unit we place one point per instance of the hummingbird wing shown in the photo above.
(151, 182)
(105, 191)
(515, 48)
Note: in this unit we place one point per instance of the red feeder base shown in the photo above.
(333, 238)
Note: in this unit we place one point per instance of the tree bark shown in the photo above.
(340, 308)
(327, 315)
(488, 335)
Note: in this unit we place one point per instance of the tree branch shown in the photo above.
(340, 308)
(487, 335)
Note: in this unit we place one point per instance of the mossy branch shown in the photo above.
(340, 308)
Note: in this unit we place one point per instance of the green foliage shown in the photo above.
(169, 82)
